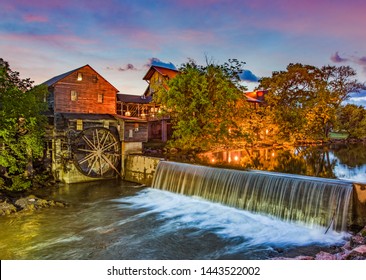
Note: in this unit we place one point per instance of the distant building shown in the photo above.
(159, 127)
(256, 97)
(158, 76)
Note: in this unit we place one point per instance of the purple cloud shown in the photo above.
(361, 60)
(337, 59)
(157, 62)
(129, 66)
(248, 76)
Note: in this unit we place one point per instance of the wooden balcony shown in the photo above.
(142, 111)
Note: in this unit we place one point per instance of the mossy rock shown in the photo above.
(59, 204)
(41, 203)
(7, 208)
(22, 203)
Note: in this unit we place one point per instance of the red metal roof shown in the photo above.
(166, 72)
(256, 96)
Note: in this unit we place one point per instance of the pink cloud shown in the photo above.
(157, 40)
(340, 19)
(41, 3)
(67, 42)
(35, 18)
(195, 3)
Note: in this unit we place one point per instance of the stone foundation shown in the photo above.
(359, 205)
(140, 169)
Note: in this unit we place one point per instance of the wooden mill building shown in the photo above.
(143, 107)
(93, 127)
(88, 140)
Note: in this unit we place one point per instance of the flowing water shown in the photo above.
(116, 220)
(313, 201)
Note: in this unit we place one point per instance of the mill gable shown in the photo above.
(81, 90)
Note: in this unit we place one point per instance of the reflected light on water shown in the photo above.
(344, 162)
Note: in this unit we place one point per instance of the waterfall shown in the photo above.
(311, 200)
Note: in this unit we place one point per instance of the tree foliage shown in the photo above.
(206, 105)
(303, 100)
(352, 119)
(21, 128)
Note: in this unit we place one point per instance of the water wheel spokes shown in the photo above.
(97, 153)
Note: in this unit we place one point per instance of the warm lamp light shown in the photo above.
(80, 77)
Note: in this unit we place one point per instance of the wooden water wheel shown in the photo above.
(96, 152)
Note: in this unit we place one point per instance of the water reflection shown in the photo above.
(346, 162)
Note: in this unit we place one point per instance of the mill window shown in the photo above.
(100, 98)
(74, 95)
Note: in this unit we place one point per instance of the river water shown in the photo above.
(117, 220)
(346, 162)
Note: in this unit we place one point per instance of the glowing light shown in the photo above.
(80, 77)
(236, 158)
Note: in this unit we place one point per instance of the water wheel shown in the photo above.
(96, 152)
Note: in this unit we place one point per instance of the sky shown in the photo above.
(120, 39)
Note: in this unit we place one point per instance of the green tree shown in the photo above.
(206, 105)
(352, 119)
(303, 100)
(21, 128)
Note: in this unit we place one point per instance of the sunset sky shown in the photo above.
(120, 39)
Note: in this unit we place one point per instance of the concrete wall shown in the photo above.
(140, 169)
(72, 175)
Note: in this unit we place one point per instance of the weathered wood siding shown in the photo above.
(88, 89)
(135, 132)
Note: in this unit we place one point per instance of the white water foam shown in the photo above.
(179, 212)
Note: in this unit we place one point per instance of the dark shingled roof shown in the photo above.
(55, 79)
(58, 78)
(129, 98)
(84, 116)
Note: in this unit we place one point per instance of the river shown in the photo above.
(337, 161)
(116, 220)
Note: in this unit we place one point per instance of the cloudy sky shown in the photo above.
(120, 38)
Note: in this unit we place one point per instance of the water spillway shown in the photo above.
(311, 200)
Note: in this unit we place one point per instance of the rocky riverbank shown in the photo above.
(31, 199)
(354, 249)
(10, 204)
